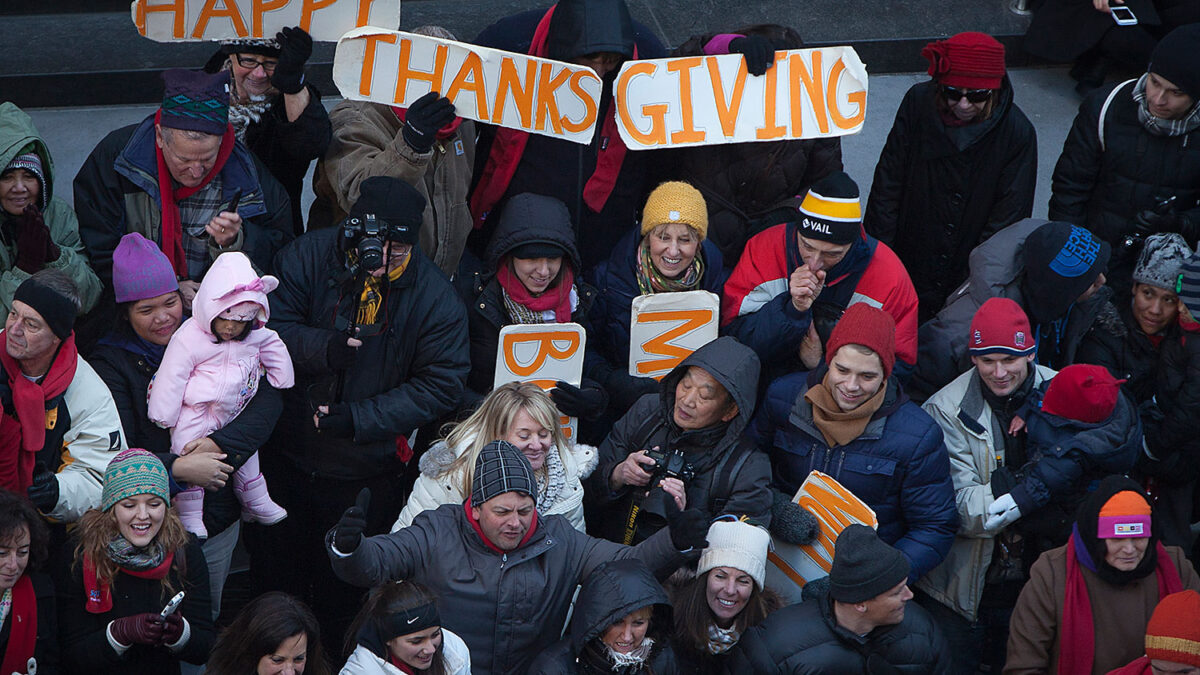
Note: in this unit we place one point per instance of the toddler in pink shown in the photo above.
(211, 370)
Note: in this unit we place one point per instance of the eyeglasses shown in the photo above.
(953, 94)
(250, 63)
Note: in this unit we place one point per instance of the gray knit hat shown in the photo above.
(864, 566)
(1188, 286)
(1162, 255)
(501, 468)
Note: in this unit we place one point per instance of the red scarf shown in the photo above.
(99, 594)
(1077, 643)
(22, 635)
(29, 402)
(488, 542)
(442, 134)
(404, 667)
(1140, 666)
(172, 227)
(557, 298)
(509, 145)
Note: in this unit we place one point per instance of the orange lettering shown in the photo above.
(727, 112)
(546, 348)
(660, 345)
(689, 133)
(470, 78)
(210, 11)
(363, 18)
(307, 9)
(404, 73)
(177, 7)
(787, 570)
(547, 105)
(812, 85)
(770, 128)
(368, 69)
(656, 112)
(859, 98)
(257, 9)
(520, 91)
(591, 106)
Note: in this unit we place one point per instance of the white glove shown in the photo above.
(1001, 513)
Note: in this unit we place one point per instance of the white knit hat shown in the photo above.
(739, 545)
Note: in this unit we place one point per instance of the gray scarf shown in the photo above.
(1156, 125)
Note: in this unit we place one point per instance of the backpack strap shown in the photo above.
(1104, 110)
(726, 472)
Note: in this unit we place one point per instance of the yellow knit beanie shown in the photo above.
(675, 202)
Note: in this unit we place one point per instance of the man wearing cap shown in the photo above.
(795, 280)
(504, 575)
(1129, 165)
(851, 420)
(1172, 638)
(60, 426)
(379, 341)
(863, 624)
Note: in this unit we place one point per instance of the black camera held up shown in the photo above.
(365, 235)
(669, 464)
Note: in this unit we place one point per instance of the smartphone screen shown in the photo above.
(1123, 15)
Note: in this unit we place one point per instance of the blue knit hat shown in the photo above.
(196, 100)
(1188, 286)
(131, 473)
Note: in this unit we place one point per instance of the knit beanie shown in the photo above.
(1082, 392)
(1061, 262)
(263, 46)
(27, 158)
(873, 328)
(864, 566)
(1177, 59)
(1087, 522)
(1188, 284)
(1125, 515)
(501, 468)
(967, 60)
(1160, 259)
(131, 473)
(675, 202)
(394, 202)
(141, 270)
(1173, 633)
(196, 101)
(1000, 327)
(56, 309)
(831, 211)
(736, 544)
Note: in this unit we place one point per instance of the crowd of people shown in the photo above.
(192, 365)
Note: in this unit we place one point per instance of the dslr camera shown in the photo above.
(365, 235)
(669, 464)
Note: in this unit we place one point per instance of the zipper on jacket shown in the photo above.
(841, 460)
(503, 560)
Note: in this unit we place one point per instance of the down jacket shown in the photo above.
(455, 656)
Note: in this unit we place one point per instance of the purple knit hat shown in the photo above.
(140, 270)
(196, 100)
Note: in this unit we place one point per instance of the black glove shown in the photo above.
(1150, 222)
(295, 46)
(689, 529)
(348, 532)
(35, 248)
(339, 421)
(758, 50)
(424, 117)
(586, 402)
(791, 522)
(139, 629)
(43, 492)
(172, 629)
(338, 354)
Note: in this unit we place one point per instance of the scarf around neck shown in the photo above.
(721, 640)
(1157, 126)
(841, 428)
(151, 562)
(557, 298)
(23, 619)
(29, 403)
(650, 280)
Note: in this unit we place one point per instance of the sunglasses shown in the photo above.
(953, 94)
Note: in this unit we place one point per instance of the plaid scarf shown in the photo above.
(1156, 125)
(650, 280)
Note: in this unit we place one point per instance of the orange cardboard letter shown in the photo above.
(521, 92)
(210, 11)
(404, 73)
(307, 9)
(545, 349)
(470, 78)
(859, 98)
(547, 105)
(177, 7)
(688, 134)
(770, 128)
(661, 344)
(812, 85)
(727, 112)
(257, 9)
(657, 112)
(589, 113)
(368, 67)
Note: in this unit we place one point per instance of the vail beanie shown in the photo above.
(501, 468)
(736, 544)
(864, 566)
(1159, 262)
(1061, 262)
(1173, 633)
(131, 473)
(831, 210)
(1082, 392)
(871, 327)
(675, 202)
(1176, 59)
(141, 270)
(967, 60)
(1000, 327)
(196, 101)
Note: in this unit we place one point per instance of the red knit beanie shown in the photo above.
(1000, 327)
(1082, 392)
(873, 328)
(1173, 633)
(967, 60)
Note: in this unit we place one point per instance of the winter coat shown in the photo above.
(17, 131)
(367, 142)
(202, 382)
(455, 656)
(436, 486)
(408, 374)
(1120, 615)
(507, 607)
(614, 591)
(731, 474)
(805, 639)
(1169, 419)
(1116, 342)
(970, 429)
(85, 644)
(898, 465)
(1064, 30)
(939, 191)
(757, 309)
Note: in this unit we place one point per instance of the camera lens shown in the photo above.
(370, 253)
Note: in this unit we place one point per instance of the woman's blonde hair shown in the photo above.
(97, 528)
(492, 420)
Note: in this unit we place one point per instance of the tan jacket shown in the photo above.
(367, 142)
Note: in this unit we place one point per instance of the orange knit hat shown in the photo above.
(1173, 633)
(1126, 514)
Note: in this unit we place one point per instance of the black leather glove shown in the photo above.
(339, 421)
(338, 354)
(295, 46)
(791, 522)
(139, 629)
(35, 248)
(424, 117)
(1150, 222)
(758, 50)
(587, 401)
(689, 529)
(172, 629)
(43, 492)
(348, 532)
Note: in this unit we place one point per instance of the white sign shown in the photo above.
(523, 92)
(708, 100)
(542, 353)
(194, 20)
(664, 328)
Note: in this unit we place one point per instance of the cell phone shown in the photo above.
(172, 605)
(1123, 15)
(233, 203)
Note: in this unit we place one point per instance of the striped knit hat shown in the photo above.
(501, 468)
(1173, 633)
(196, 101)
(28, 159)
(1188, 284)
(1000, 327)
(831, 211)
(134, 472)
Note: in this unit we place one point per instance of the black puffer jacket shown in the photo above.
(938, 191)
(1116, 342)
(1170, 420)
(407, 375)
(732, 475)
(805, 639)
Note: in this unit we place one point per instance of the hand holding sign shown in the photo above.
(804, 285)
(758, 50)
(423, 119)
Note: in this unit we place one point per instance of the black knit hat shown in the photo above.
(1177, 59)
(501, 468)
(393, 201)
(1061, 261)
(831, 210)
(196, 100)
(864, 566)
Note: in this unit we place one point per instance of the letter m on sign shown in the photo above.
(664, 328)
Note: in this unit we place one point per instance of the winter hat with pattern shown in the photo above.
(501, 468)
(1177, 59)
(1061, 262)
(864, 566)
(831, 211)
(141, 270)
(131, 473)
(1125, 515)
(1173, 633)
(873, 328)
(28, 159)
(736, 544)
(263, 46)
(196, 100)
(675, 202)
(1160, 259)
(967, 60)
(1082, 392)
(1188, 284)
(1000, 327)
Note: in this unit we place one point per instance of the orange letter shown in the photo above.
(770, 129)
(858, 98)
(656, 112)
(547, 106)
(660, 345)
(591, 106)
(368, 69)
(520, 92)
(688, 134)
(307, 9)
(178, 7)
(404, 73)
(257, 9)
(364, 13)
(470, 78)
(727, 112)
(209, 11)
(545, 349)
(812, 85)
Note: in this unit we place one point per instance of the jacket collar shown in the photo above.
(801, 414)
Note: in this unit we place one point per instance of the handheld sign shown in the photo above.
(664, 328)
(523, 92)
(542, 353)
(790, 566)
(195, 20)
(709, 100)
